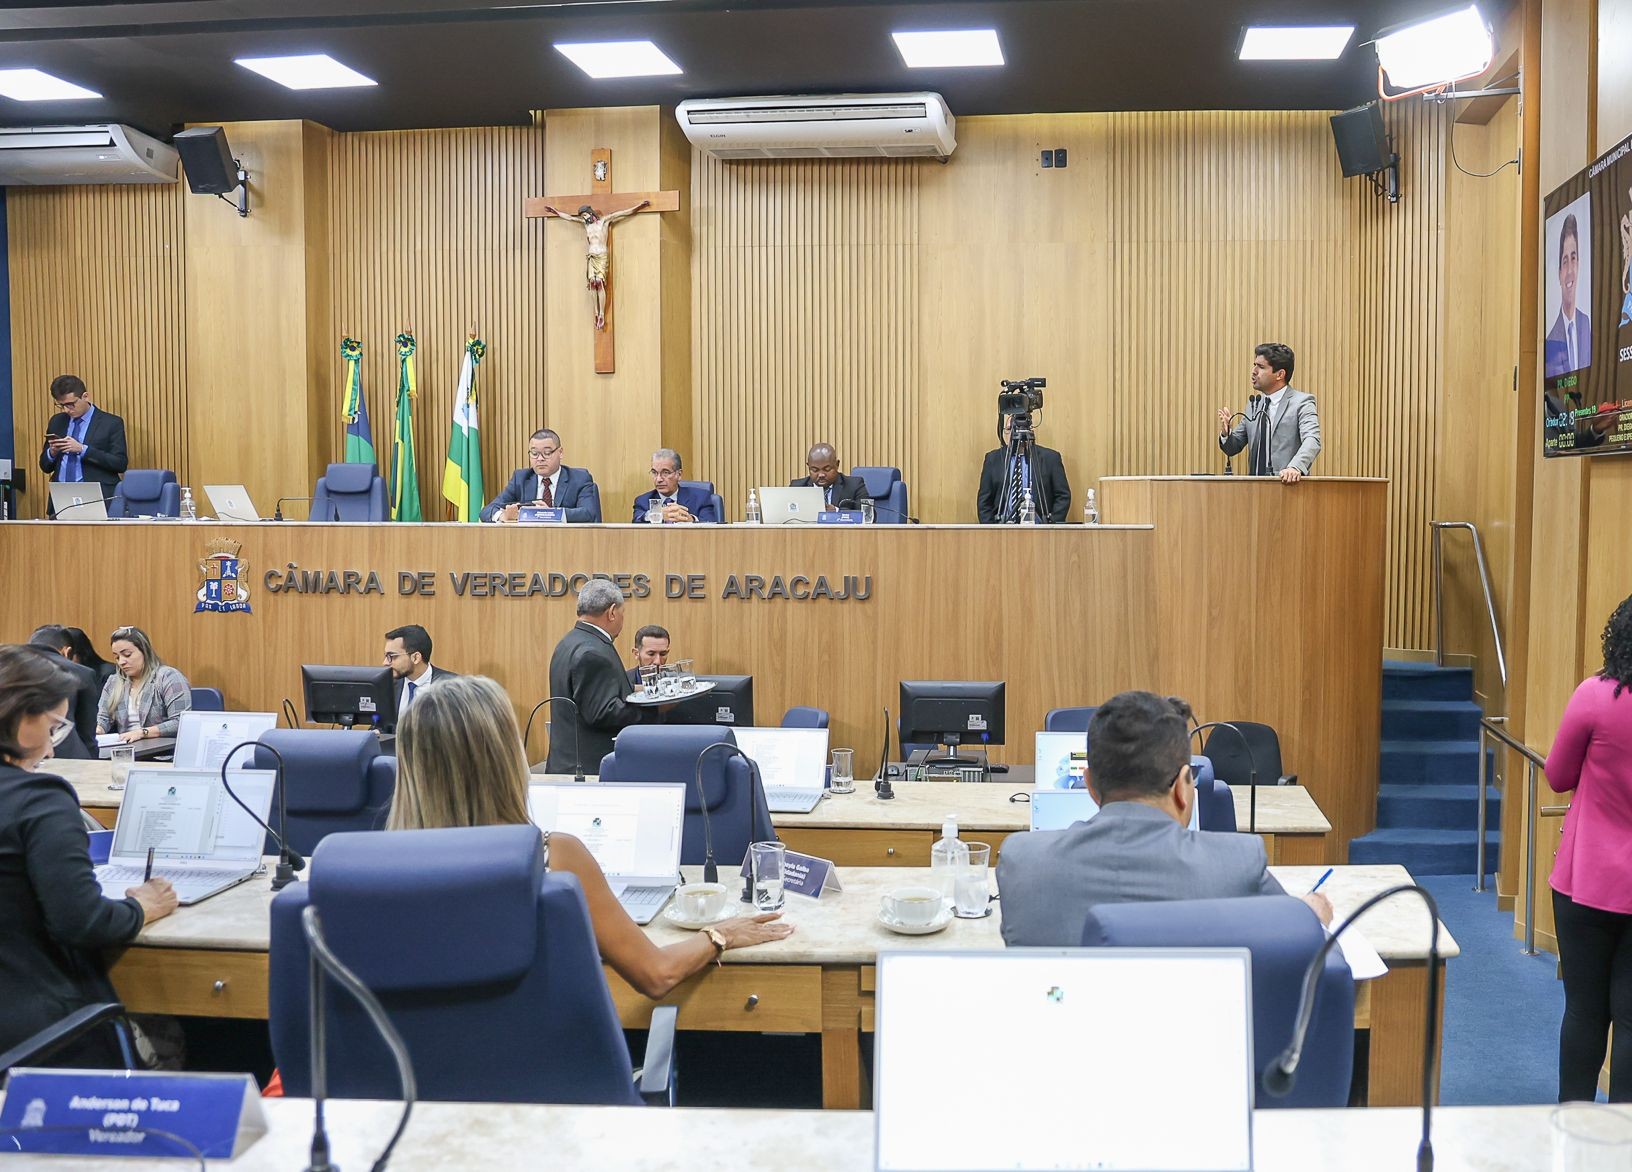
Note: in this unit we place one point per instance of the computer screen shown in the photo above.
(633, 829)
(730, 703)
(952, 712)
(792, 757)
(350, 696)
(203, 739)
(186, 814)
(1062, 760)
(1082, 1054)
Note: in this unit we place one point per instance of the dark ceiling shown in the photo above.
(469, 62)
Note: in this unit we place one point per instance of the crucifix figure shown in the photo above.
(597, 212)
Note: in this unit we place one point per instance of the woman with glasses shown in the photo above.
(147, 697)
(54, 921)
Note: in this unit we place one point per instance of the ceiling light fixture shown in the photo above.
(1295, 43)
(950, 48)
(309, 71)
(32, 85)
(604, 59)
(1437, 51)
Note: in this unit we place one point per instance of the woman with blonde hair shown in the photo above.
(147, 696)
(460, 763)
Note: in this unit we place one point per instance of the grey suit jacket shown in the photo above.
(164, 698)
(1127, 853)
(1294, 434)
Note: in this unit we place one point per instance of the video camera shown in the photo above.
(1021, 396)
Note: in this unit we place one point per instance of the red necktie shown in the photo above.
(549, 497)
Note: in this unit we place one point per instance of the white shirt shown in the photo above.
(555, 486)
(133, 709)
(597, 630)
(410, 688)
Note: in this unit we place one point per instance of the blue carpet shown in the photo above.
(1502, 1008)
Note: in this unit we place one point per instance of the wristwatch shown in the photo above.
(720, 945)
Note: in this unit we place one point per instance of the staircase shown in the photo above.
(1428, 792)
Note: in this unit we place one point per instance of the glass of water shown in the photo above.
(121, 757)
(654, 513)
(1590, 1137)
(844, 771)
(971, 883)
(866, 503)
(648, 679)
(687, 674)
(766, 859)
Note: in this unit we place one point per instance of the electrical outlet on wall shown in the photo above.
(1048, 159)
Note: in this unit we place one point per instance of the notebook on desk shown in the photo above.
(633, 829)
(792, 765)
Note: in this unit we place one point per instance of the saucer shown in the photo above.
(672, 917)
(935, 925)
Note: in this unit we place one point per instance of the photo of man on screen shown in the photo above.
(1569, 341)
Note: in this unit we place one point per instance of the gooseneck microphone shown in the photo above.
(1252, 776)
(1229, 460)
(277, 509)
(881, 780)
(94, 502)
(1281, 1074)
(711, 869)
(577, 732)
(289, 861)
(907, 517)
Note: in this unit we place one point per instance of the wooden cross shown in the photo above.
(608, 208)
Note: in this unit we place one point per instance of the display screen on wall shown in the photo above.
(1587, 299)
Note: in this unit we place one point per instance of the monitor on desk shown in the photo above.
(952, 713)
(731, 703)
(355, 697)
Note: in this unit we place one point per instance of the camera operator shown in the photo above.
(1021, 461)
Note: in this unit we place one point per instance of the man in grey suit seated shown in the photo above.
(1287, 418)
(1139, 846)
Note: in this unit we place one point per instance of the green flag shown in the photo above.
(359, 436)
(462, 474)
(404, 475)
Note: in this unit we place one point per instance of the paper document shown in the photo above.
(103, 740)
(1364, 963)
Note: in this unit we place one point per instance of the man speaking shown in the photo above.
(1281, 430)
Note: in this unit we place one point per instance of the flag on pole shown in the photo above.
(404, 475)
(359, 436)
(462, 474)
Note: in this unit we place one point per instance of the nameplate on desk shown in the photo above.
(805, 874)
(839, 517)
(540, 515)
(149, 1114)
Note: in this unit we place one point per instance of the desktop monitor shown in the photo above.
(731, 703)
(349, 696)
(952, 713)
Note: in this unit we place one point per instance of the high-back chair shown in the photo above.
(337, 780)
(350, 492)
(146, 492)
(888, 491)
(801, 717)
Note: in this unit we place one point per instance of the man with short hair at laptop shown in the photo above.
(82, 444)
(586, 669)
(1138, 847)
(838, 490)
(408, 655)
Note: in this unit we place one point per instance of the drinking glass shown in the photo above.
(844, 771)
(1589, 1137)
(971, 883)
(668, 680)
(648, 679)
(121, 757)
(687, 675)
(654, 514)
(767, 859)
(866, 510)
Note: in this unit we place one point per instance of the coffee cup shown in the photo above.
(701, 901)
(913, 907)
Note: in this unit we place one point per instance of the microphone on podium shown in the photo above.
(908, 518)
(92, 503)
(277, 509)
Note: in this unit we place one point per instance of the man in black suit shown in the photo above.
(82, 444)
(585, 668)
(82, 708)
(1050, 490)
(408, 655)
(838, 490)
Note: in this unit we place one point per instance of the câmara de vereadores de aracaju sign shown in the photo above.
(294, 579)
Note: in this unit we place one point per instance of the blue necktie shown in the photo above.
(72, 470)
(412, 689)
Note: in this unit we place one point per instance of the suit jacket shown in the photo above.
(697, 502)
(438, 674)
(104, 458)
(585, 667)
(1556, 352)
(83, 708)
(164, 698)
(1127, 853)
(1050, 490)
(851, 489)
(575, 492)
(1294, 435)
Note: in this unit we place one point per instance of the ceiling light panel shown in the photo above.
(33, 85)
(949, 48)
(1446, 48)
(1295, 42)
(605, 59)
(310, 71)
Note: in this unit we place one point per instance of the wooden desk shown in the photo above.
(211, 960)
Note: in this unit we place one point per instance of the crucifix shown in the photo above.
(597, 212)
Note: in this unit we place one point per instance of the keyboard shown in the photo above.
(190, 884)
(785, 799)
(643, 903)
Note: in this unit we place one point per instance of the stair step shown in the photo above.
(1431, 720)
(1424, 681)
(1435, 807)
(1429, 763)
(1425, 852)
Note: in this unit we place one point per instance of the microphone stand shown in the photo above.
(1252, 761)
(289, 861)
(907, 517)
(277, 509)
(1281, 1074)
(577, 761)
(881, 780)
(1229, 466)
(711, 870)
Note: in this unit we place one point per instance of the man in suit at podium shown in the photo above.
(680, 504)
(838, 490)
(1285, 417)
(586, 669)
(547, 482)
(408, 655)
(1050, 490)
(82, 444)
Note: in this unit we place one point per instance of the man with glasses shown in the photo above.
(672, 502)
(82, 444)
(549, 483)
(1139, 846)
(408, 655)
(838, 490)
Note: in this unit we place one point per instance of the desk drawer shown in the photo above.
(861, 848)
(200, 982)
(753, 998)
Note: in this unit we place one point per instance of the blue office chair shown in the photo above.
(737, 814)
(887, 488)
(337, 780)
(1231, 762)
(208, 700)
(486, 964)
(708, 487)
(802, 717)
(57, 1039)
(350, 492)
(1283, 936)
(1068, 719)
(146, 492)
(1215, 803)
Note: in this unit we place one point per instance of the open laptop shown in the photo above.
(231, 502)
(1062, 760)
(79, 502)
(203, 739)
(633, 829)
(1055, 809)
(1055, 1014)
(204, 842)
(790, 506)
(792, 764)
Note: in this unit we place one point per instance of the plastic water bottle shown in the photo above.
(752, 513)
(947, 859)
(1028, 510)
(1090, 510)
(189, 511)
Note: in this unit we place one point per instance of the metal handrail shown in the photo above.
(1484, 582)
(1533, 762)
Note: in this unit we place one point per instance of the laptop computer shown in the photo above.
(1062, 760)
(633, 830)
(203, 739)
(202, 840)
(1054, 1014)
(231, 502)
(792, 765)
(790, 506)
(79, 502)
(1055, 809)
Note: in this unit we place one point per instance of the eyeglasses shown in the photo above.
(541, 453)
(665, 473)
(61, 726)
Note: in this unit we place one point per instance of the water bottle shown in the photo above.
(1090, 510)
(189, 511)
(1028, 510)
(752, 513)
(947, 859)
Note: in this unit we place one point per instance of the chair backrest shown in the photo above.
(1068, 719)
(349, 492)
(146, 492)
(802, 717)
(337, 780)
(208, 700)
(1215, 804)
(486, 964)
(737, 814)
(1230, 761)
(886, 487)
(1283, 935)
(708, 487)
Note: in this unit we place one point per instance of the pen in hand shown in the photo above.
(1321, 882)
(148, 873)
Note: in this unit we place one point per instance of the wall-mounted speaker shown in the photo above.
(208, 162)
(1362, 140)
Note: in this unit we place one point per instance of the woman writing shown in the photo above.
(147, 697)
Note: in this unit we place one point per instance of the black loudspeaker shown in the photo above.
(208, 162)
(1362, 141)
